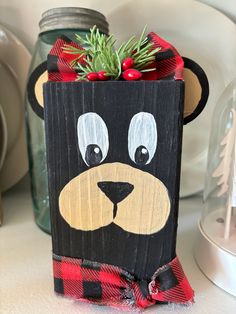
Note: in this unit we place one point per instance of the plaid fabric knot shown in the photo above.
(59, 62)
(110, 285)
(169, 64)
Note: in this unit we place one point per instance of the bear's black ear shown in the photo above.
(35, 88)
(196, 90)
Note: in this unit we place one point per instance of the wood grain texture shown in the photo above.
(38, 90)
(193, 92)
(116, 103)
(85, 207)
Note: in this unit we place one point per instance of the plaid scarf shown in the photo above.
(110, 285)
(169, 64)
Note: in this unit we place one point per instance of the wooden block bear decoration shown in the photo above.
(114, 164)
(114, 159)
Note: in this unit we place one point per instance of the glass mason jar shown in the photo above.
(66, 21)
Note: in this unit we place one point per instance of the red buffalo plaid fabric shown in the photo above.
(110, 285)
(168, 64)
(59, 62)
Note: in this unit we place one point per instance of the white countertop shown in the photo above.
(26, 281)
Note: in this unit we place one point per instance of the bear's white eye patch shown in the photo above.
(142, 138)
(92, 138)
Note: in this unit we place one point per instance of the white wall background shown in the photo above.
(22, 16)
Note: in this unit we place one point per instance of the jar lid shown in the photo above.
(72, 18)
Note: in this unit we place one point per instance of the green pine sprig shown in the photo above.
(99, 54)
(141, 51)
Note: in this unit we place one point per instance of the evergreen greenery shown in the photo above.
(99, 54)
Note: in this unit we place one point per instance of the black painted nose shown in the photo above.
(116, 191)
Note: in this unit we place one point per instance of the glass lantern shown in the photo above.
(215, 251)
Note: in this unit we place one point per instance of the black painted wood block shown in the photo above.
(114, 152)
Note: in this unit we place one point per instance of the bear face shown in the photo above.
(114, 153)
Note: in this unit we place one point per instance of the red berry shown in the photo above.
(92, 76)
(132, 75)
(102, 76)
(127, 63)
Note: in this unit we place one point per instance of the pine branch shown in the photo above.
(99, 54)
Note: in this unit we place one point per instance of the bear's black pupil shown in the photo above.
(93, 155)
(141, 155)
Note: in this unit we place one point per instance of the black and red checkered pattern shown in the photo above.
(169, 64)
(59, 62)
(110, 285)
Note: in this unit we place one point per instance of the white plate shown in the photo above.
(202, 34)
(14, 64)
(3, 138)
